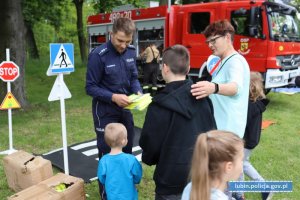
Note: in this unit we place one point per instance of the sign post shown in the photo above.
(61, 61)
(9, 72)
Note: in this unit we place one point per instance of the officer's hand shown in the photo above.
(121, 100)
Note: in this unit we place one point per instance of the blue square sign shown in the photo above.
(61, 57)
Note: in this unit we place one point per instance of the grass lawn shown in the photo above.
(38, 130)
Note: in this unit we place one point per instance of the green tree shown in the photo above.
(12, 36)
(37, 11)
(296, 3)
(64, 32)
(80, 32)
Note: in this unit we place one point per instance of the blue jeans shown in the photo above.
(249, 170)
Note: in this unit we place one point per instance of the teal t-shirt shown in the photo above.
(119, 174)
(231, 111)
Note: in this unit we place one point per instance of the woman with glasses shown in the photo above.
(229, 88)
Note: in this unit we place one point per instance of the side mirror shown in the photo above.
(253, 31)
(253, 13)
(254, 23)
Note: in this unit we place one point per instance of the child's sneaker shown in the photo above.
(266, 195)
(238, 196)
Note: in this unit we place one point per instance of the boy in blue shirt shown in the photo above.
(118, 171)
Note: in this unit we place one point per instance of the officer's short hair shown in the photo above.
(177, 57)
(123, 24)
(114, 134)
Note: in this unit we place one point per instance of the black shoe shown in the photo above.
(153, 91)
(237, 197)
(145, 89)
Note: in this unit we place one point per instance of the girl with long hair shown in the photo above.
(217, 159)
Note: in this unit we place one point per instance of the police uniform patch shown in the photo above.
(129, 60)
(131, 46)
(103, 49)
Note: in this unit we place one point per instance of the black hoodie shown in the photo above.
(254, 120)
(173, 121)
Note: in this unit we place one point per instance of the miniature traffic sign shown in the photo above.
(9, 102)
(59, 90)
(61, 58)
(61, 61)
(49, 72)
(9, 71)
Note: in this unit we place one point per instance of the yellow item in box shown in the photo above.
(58, 187)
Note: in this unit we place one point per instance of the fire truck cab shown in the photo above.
(267, 33)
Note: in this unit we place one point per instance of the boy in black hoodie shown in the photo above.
(173, 121)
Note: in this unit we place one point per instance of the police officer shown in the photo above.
(112, 76)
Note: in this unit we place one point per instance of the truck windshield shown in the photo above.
(283, 23)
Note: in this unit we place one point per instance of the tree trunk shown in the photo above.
(32, 47)
(12, 36)
(80, 32)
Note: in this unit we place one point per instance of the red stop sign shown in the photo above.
(9, 71)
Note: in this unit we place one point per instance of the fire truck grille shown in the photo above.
(289, 62)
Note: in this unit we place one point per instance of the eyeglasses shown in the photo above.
(213, 41)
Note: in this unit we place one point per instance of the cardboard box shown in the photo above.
(47, 190)
(23, 170)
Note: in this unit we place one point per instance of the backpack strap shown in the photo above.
(153, 54)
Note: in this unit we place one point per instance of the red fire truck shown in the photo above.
(267, 33)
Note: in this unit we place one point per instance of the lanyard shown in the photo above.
(217, 64)
(153, 54)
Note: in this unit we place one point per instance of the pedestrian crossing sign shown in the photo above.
(62, 57)
(9, 102)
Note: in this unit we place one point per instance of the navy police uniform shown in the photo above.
(110, 72)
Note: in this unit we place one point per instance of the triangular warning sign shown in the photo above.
(62, 59)
(9, 102)
(59, 89)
